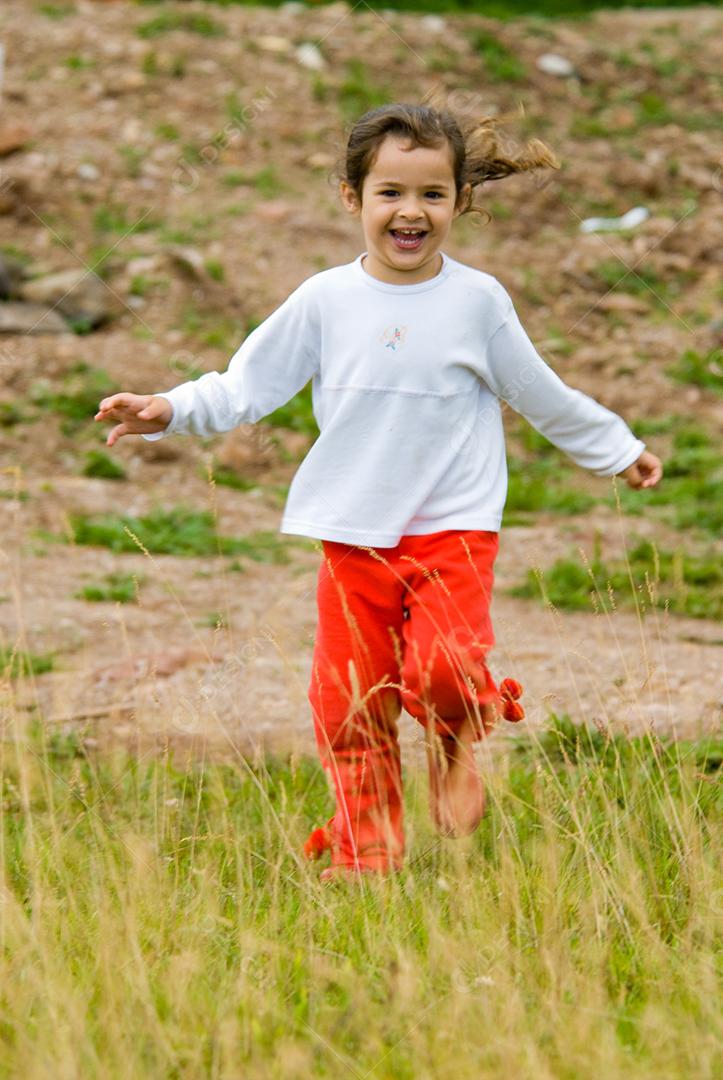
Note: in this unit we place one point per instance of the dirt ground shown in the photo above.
(113, 117)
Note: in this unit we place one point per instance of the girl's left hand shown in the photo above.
(645, 472)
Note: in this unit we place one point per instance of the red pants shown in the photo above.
(404, 626)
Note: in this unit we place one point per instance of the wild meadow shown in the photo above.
(159, 919)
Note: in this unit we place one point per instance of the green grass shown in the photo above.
(216, 331)
(682, 583)
(499, 63)
(17, 662)
(700, 370)
(193, 22)
(99, 463)
(645, 284)
(297, 414)
(543, 479)
(357, 93)
(11, 414)
(178, 531)
(497, 9)
(228, 477)
(158, 920)
(116, 218)
(76, 396)
(114, 588)
(690, 494)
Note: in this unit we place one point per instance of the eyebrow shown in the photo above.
(398, 183)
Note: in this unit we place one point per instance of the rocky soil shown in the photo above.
(189, 163)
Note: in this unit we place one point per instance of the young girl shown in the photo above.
(409, 352)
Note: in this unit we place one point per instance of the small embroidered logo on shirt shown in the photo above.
(393, 337)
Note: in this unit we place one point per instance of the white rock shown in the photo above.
(434, 23)
(310, 57)
(634, 217)
(87, 171)
(293, 7)
(554, 64)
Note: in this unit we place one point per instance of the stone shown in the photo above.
(309, 56)
(19, 318)
(77, 294)
(87, 171)
(189, 260)
(554, 64)
(12, 273)
(434, 23)
(13, 138)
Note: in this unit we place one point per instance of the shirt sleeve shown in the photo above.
(272, 364)
(594, 437)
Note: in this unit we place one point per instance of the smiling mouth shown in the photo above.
(408, 239)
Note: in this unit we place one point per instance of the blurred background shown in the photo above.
(167, 179)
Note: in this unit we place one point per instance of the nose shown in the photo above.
(411, 210)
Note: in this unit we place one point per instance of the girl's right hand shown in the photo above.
(138, 414)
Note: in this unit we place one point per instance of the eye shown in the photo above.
(437, 194)
(389, 191)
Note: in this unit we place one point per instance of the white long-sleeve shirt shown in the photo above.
(406, 389)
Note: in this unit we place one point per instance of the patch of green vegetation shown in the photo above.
(79, 63)
(133, 156)
(16, 663)
(113, 218)
(214, 269)
(500, 63)
(700, 370)
(597, 854)
(11, 414)
(178, 531)
(216, 331)
(683, 583)
(691, 490)
(536, 10)
(56, 11)
(539, 483)
(217, 620)
(646, 284)
(114, 588)
(230, 478)
(297, 414)
(77, 397)
(320, 88)
(192, 21)
(167, 131)
(357, 93)
(100, 464)
(12, 251)
(591, 127)
(441, 58)
(653, 109)
(266, 181)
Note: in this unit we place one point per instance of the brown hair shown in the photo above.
(478, 154)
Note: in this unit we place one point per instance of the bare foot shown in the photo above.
(456, 792)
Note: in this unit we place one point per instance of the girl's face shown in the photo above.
(407, 207)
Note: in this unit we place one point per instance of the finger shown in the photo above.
(151, 411)
(117, 432)
(121, 401)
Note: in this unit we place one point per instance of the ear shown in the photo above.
(349, 197)
(462, 198)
